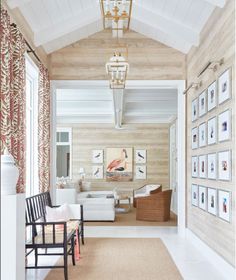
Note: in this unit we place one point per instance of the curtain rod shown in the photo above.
(28, 45)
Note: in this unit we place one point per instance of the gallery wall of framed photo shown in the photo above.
(211, 156)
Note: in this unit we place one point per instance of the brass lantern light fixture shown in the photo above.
(116, 15)
(117, 69)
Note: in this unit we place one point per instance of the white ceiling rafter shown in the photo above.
(217, 3)
(55, 31)
(165, 24)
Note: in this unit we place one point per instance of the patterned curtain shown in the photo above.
(44, 129)
(13, 105)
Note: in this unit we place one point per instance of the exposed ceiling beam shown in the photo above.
(73, 23)
(17, 3)
(218, 3)
(173, 28)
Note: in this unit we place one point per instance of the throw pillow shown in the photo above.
(58, 214)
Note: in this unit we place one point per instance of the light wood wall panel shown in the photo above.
(86, 59)
(154, 138)
(217, 41)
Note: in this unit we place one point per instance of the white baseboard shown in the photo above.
(212, 256)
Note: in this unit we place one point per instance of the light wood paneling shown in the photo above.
(154, 138)
(217, 41)
(86, 59)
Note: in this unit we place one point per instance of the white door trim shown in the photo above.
(176, 84)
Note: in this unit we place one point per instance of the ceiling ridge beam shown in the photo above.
(217, 3)
(56, 31)
(166, 24)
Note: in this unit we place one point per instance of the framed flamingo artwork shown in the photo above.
(119, 164)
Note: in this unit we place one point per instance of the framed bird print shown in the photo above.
(211, 131)
(202, 166)
(224, 165)
(211, 96)
(194, 195)
(202, 134)
(224, 83)
(194, 109)
(224, 205)
(141, 172)
(202, 106)
(195, 167)
(212, 201)
(97, 156)
(119, 164)
(140, 156)
(224, 126)
(211, 166)
(202, 197)
(97, 172)
(194, 138)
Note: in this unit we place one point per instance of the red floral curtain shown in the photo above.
(44, 129)
(12, 98)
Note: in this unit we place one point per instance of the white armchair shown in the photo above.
(146, 190)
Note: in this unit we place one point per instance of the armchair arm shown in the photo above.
(157, 190)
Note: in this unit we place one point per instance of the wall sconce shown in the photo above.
(214, 68)
(193, 85)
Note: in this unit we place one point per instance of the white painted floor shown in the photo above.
(190, 261)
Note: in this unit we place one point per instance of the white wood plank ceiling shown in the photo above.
(58, 23)
(85, 105)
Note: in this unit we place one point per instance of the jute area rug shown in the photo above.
(129, 219)
(121, 259)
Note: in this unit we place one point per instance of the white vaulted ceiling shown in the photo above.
(58, 23)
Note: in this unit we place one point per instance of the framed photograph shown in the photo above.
(224, 84)
(211, 166)
(211, 96)
(194, 195)
(202, 197)
(140, 156)
(195, 138)
(224, 165)
(195, 167)
(202, 166)
(224, 205)
(97, 156)
(211, 131)
(202, 134)
(97, 172)
(141, 172)
(119, 164)
(202, 106)
(194, 109)
(212, 201)
(224, 126)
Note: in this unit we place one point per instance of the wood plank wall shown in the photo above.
(152, 137)
(217, 41)
(86, 59)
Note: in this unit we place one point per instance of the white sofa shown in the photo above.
(97, 206)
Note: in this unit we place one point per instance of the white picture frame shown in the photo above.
(97, 156)
(202, 135)
(211, 96)
(224, 126)
(141, 156)
(202, 197)
(97, 172)
(194, 195)
(211, 166)
(212, 201)
(194, 109)
(202, 164)
(211, 131)
(202, 105)
(141, 172)
(194, 138)
(224, 85)
(224, 205)
(224, 165)
(195, 167)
